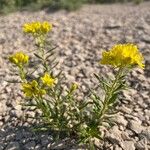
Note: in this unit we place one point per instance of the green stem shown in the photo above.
(41, 45)
(22, 73)
(109, 94)
(91, 145)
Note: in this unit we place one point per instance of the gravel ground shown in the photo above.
(81, 36)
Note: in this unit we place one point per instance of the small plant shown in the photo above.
(59, 107)
(123, 58)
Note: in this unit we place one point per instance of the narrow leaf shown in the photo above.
(51, 49)
(38, 56)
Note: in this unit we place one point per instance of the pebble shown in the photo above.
(13, 146)
(126, 110)
(145, 133)
(146, 39)
(16, 113)
(38, 147)
(116, 147)
(1, 147)
(141, 145)
(135, 126)
(114, 135)
(57, 145)
(45, 140)
(30, 145)
(1, 123)
(121, 120)
(128, 145)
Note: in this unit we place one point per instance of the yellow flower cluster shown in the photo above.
(37, 28)
(48, 80)
(32, 89)
(19, 58)
(123, 55)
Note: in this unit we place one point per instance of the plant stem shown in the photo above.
(109, 93)
(22, 73)
(41, 45)
(91, 145)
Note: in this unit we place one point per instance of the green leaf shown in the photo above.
(113, 98)
(13, 81)
(38, 56)
(53, 60)
(102, 82)
(51, 49)
(97, 100)
(47, 57)
(52, 67)
(83, 105)
(29, 74)
(97, 77)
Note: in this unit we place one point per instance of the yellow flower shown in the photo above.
(32, 89)
(19, 58)
(48, 80)
(123, 55)
(37, 28)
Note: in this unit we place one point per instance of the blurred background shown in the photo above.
(14, 5)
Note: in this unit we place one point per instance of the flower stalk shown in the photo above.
(110, 93)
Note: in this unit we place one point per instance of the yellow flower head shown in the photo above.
(32, 89)
(48, 80)
(123, 55)
(19, 58)
(37, 28)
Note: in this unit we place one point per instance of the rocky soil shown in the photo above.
(80, 37)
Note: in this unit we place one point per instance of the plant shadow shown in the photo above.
(22, 137)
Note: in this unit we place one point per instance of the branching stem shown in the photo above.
(109, 93)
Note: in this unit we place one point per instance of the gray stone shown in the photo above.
(30, 145)
(38, 147)
(30, 114)
(130, 132)
(120, 120)
(125, 135)
(58, 145)
(113, 25)
(147, 112)
(141, 145)
(13, 146)
(116, 147)
(46, 140)
(145, 133)
(125, 109)
(19, 135)
(128, 145)
(3, 107)
(114, 135)
(146, 39)
(2, 40)
(16, 113)
(135, 126)
(1, 146)
(1, 123)
(10, 137)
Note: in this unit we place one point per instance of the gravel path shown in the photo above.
(81, 36)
